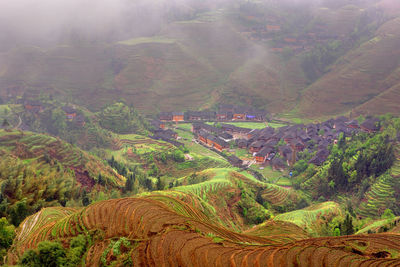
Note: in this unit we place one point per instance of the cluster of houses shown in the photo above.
(161, 133)
(224, 113)
(279, 147)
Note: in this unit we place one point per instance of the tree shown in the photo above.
(6, 237)
(47, 254)
(388, 214)
(85, 199)
(5, 124)
(30, 258)
(129, 183)
(179, 156)
(18, 212)
(347, 226)
(160, 183)
(51, 254)
(58, 122)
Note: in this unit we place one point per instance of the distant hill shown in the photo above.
(289, 59)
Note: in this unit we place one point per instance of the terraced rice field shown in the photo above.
(308, 216)
(377, 198)
(225, 178)
(139, 140)
(275, 194)
(163, 231)
(30, 146)
(382, 192)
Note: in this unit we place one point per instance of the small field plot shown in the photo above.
(197, 149)
(269, 174)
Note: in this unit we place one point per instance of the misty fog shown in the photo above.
(32, 22)
(49, 21)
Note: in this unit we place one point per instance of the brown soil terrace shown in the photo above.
(170, 232)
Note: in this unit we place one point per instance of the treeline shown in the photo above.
(89, 132)
(122, 119)
(53, 121)
(151, 178)
(26, 187)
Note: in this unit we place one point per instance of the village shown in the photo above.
(268, 146)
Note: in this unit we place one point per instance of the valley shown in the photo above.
(200, 133)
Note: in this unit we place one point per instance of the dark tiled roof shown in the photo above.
(257, 144)
(370, 124)
(225, 136)
(221, 142)
(235, 160)
(241, 142)
(33, 103)
(165, 114)
(265, 151)
(278, 162)
(68, 110)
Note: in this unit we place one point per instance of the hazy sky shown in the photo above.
(48, 19)
(42, 21)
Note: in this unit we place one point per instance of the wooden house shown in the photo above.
(165, 134)
(235, 161)
(33, 106)
(239, 113)
(353, 124)
(261, 156)
(178, 116)
(80, 120)
(285, 150)
(193, 115)
(320, 157)
(70, 112)
(289, 137)
(253, 133)
(241, 143)
(273, 28)
(225, 112)
(226, 137)
(370, 125)
(255, 115)
(202, 136)
(256, 146)
(278, 164)
(157, 124)
(165, 116)
(220, 144)
(297, 145)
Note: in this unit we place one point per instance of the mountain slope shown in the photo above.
(358, 77)
(228, 55)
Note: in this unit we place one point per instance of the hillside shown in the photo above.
(168, 232)
(47, 150)
(253, 53)
(365, 79)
